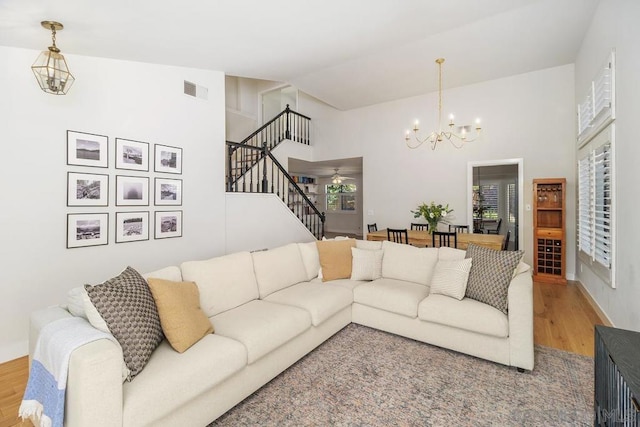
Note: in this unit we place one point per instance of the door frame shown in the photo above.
(516, 161)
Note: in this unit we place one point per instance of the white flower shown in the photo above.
(444, 213)
(431, 214)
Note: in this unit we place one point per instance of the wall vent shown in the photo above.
(195, 90)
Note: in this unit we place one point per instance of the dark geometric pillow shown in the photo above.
(129, 310)
(490, 275)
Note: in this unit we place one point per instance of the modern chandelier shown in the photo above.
(457, 139)
(51, 68)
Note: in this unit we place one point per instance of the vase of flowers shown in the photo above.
(432, 213)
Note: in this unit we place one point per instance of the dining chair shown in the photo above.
(495, 230)
(372, 227)
(459, 228)
(444, 239)
(505, 245)
(418, 226)
(398, 235)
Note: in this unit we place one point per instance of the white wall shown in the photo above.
(261, 221)
(615, 26)
(529, 116)
(115, 98)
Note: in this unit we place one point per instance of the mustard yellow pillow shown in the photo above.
(183, 321)
(335, 258)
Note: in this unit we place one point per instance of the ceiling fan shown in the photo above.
(336, 178)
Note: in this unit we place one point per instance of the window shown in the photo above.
(595, 204)
(341, 197)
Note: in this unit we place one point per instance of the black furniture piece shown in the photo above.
(505, 245)
(617, 377)
(459, 228)
(418, 226)
(372, 227)
(444, 239)
(398, 235)
(494, 230)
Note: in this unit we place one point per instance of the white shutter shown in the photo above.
(602, 205)
(584, 205)
(597, 108)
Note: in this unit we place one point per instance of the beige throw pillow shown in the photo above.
(335, 258)
(183, 321)
(450, 278)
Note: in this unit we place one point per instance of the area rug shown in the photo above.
(365, 377)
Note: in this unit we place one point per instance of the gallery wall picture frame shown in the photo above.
(168, 192)
(167, 159)
(132, 190)
(87, 189)
(168, 224)
(87, 149)
(132, 226)
(132, 155)
(87, 229)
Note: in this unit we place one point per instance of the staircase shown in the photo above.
(252, 168)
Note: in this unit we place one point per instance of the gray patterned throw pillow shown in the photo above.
(129, 310)
(490, 275)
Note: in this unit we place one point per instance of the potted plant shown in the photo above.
(432, 213)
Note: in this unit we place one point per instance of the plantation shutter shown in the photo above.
(602, 205)
(585, 219)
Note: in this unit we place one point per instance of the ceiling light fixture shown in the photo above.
(51, 68)
(456, 139)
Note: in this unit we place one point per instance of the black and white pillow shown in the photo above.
(490, 275)
(127, 306)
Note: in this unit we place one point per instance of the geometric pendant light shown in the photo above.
(51, 68)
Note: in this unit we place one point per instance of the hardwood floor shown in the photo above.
(563, 319)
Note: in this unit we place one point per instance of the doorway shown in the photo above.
(276, 100)
(495, 196)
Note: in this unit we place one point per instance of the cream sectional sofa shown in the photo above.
(269, 309)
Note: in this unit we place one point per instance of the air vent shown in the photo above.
(198, 91)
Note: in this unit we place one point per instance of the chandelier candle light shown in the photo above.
(456, 139)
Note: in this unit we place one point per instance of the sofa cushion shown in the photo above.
(278, 268)
(172, 273)
(183, 321)
(320, 300)
(343, 283)
(396, 296)
(172, 379)
(129, 311)
(406, 262)
(310, 259)
(450, 278)
(262, 326)
(366, 264)
(467, 314)
(490, 275)
(335, 258)
(224, 282)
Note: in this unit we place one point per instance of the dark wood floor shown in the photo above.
(563, 319)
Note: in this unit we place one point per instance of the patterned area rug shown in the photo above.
(365, 377)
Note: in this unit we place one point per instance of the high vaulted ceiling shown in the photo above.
(348, 53)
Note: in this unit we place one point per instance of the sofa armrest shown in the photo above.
(94, 382)
(520, 302)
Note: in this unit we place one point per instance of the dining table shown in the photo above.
(422, 238)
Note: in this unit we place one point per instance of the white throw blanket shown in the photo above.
(43, 400)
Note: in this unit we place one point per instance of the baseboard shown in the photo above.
(14, 351)
(601, 314)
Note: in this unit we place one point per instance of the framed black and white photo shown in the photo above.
(168, 192)
(87, 230)
(168, 159)
(132, 190)
(168, 224)
(132, 226)
(87, 149)
(132, 155)
(87, 189)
